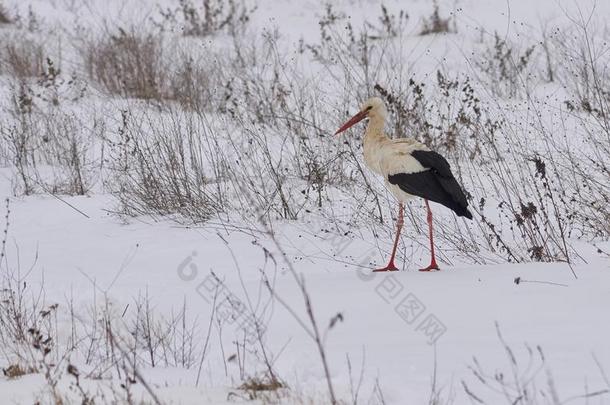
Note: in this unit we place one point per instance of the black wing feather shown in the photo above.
(435, 184)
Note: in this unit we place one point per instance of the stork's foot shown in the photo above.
(433, 266)
(389, 267)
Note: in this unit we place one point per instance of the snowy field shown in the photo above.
(182, 227)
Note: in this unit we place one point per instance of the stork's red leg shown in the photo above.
(433, 265)
(399, 223)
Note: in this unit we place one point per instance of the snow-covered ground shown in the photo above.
(493, 333)
(389, 320)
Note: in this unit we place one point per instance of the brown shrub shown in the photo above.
(435, 24)
(129, 64)
(22, 57)
(138, 65)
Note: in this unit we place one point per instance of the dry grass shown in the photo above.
(22, 57)
(193, 83)
(129, 64)
(435, 24)
(527, 380)
(139, 65)
(261, 387)
(206, 17)
(16, 371)
(504, 67)
(159, 166)
(51, 152)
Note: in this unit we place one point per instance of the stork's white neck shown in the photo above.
(374, 131)
(374, 138)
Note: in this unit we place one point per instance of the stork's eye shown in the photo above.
(369, 108)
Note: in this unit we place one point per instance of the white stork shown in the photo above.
(409, 168)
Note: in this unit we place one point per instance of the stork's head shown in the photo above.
(372, 108)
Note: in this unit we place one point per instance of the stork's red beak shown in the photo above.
(353, 121)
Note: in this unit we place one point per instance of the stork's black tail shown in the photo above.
(435, 184)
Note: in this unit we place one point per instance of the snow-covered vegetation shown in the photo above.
(182, 226)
